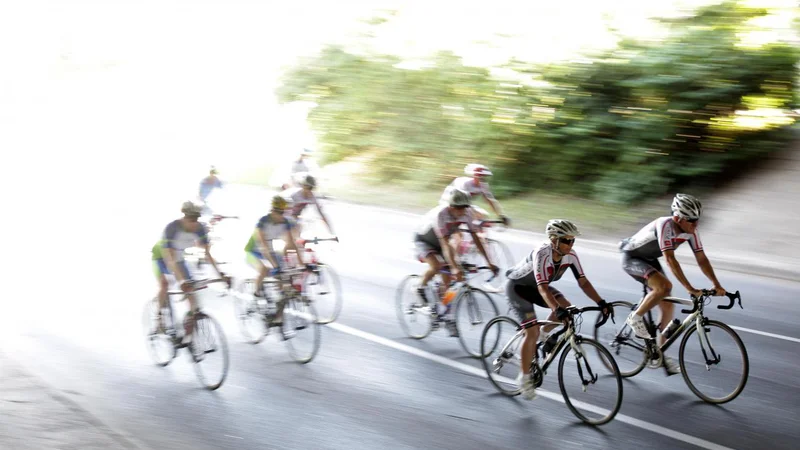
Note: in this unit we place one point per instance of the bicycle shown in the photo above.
(569, 340)
(498, 252)
(473, 302)
(322, 284)
(256, 315)
(207, 336)
(628, 348)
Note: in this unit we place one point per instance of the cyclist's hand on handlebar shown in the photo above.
(274, 272)
(696, 293)
(186, 285)
(608, 311)
(506, 220)
(495, 269)
(458, 274)
(561, 314)
(720, 291)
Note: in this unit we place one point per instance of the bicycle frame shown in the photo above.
(696, 318)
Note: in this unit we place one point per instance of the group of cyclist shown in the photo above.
(280, 223)
(529, 282)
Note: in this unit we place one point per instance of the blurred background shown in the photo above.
(111, 113)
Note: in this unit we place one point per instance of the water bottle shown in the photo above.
(671, 328)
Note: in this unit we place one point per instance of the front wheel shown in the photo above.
(159, 343)
(592, 387)
(501, 343)
(628, 351)
(209, 351)
(474, 309)
(325, 290)
(301, 326)
(416, 318)
(715, 347)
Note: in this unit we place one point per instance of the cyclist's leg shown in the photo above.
(650, 274)
(161, 271)
(519, 300)
(255, 259)
(562, 302)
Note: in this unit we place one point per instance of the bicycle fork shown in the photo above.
(702, 335)
(578, 357)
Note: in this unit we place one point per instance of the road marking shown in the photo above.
(234, 437)
(547, 394)
(764, 333)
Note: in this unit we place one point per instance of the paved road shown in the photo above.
(371, 387)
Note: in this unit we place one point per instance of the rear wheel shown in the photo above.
(474, 310)
(629, 351)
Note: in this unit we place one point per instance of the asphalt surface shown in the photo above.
(370, 386)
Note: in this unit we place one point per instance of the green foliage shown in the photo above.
(629, 124)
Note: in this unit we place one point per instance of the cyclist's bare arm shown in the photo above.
(291, 244)
(708, 271)
(211, 259)
(481, 248)
(675, 267)
(324, 219)
(494, 204)
(589, 289)
(548, 296)
(447, 252)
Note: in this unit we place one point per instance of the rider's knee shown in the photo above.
(663, 288)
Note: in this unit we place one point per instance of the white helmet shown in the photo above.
(475, 170)
(191, 208)
(686, 206)
(460, 198)
(561, 228)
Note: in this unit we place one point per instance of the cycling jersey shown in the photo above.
(468, 185)
(178, 239)
(440, 223)
(539, 268)
(659, 235)
(297, 202)
(272, 230)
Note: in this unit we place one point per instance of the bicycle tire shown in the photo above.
(202, 323)
(306, 317)
(489, 361)
(464, 304)
(745, 363)
(153, 339)
(505, 252)
(608, 362)
(403, 313)
(332, 277)
(622, 338)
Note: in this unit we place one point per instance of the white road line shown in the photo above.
(764, 333)
(231, 436)
(547, 394)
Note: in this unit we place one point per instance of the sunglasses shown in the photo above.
(692, 220)
(460, 207)
(566, 241)
(193, 218)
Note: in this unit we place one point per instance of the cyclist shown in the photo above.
(259, 248)
(432, 243)
(529, 282)
(207, 186)
(168, 259)
(301, 197)
(475, 184)
(640, 255)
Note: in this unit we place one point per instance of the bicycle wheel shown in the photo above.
(301, 322)
(618, 337)
(209, 351)
(500, 253)
(415, 318)
(501, 342)
(324, 289)
(474, 310)
(250, 312)
(597, 381)
(728, 357)
(159, 343)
